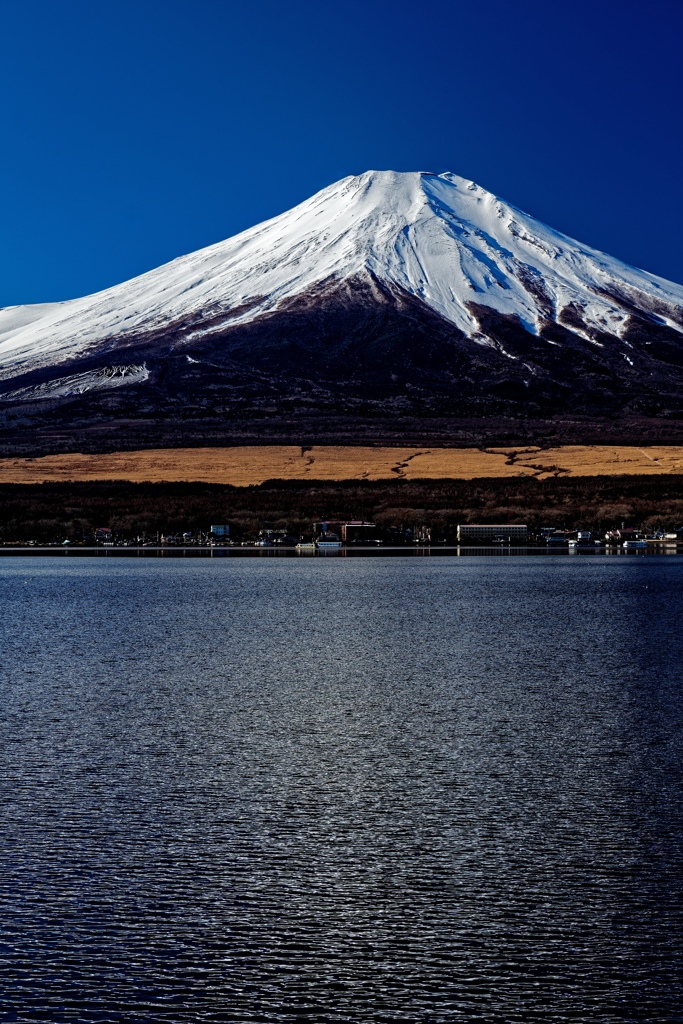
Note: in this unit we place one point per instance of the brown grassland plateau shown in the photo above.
(253, 465)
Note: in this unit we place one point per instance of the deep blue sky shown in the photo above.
(133, 131)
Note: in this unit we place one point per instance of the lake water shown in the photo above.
(373, 789)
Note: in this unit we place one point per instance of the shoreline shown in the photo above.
(351, 551)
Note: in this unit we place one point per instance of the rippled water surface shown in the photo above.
(341, 790)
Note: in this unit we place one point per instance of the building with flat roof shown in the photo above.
(349, 530)
(495, 532)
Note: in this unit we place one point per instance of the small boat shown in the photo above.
(634, 545)
(305, 545)
(328, 541)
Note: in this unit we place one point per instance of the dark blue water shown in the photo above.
(341, 790)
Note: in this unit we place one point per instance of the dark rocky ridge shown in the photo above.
(360, 362)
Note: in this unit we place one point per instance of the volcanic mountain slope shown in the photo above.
(396, 297)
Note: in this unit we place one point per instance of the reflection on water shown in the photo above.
(362, 789)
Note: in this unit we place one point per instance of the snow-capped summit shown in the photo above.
(384, 286)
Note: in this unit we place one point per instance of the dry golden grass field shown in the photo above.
(253, 465)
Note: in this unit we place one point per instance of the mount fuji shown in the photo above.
(386, 305)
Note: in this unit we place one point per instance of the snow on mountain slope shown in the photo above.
(440, 238)
(80, 383)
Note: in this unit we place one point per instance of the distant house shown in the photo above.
(504, 531)
(351, 531)
(621, 535)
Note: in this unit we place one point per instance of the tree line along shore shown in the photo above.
(48, 513)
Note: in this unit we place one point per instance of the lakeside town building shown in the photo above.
(349, 530)
(504, 532)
